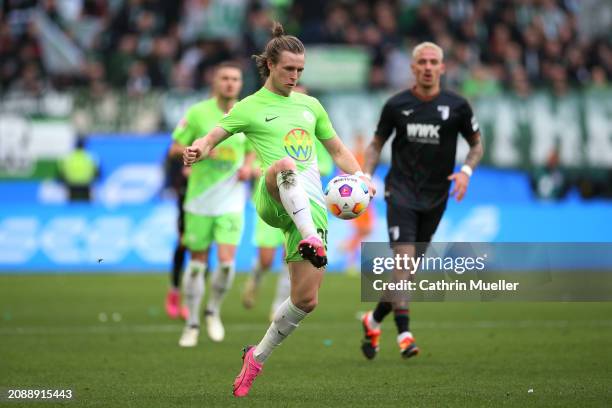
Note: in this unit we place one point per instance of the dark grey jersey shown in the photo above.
(423, 150)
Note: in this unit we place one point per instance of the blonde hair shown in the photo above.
(427, 44)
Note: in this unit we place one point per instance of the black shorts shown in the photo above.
(408, 225)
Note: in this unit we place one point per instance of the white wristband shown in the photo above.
(361, 173)
(467, 170)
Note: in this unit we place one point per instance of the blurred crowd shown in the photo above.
(139, 45)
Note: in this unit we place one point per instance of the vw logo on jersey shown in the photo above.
(309, 116)
(299, 144)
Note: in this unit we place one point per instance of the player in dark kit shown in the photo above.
(426, 121)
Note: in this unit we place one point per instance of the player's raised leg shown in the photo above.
(305, 283)
(284, 186)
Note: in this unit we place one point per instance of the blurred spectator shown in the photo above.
(550, 182)
(486, 42)
(482, 82)
(598, 76)
(30, 81)
(139, 82)
(78, 170)
(520, 83)
(122, 59)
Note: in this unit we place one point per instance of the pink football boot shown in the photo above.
(250, 370)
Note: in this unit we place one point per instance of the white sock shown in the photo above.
(220, 284)
(286, 320)
(283, 288)
(374, 325)
(193, 287)
(296, 202)
(402, 336)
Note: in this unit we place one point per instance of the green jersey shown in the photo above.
(213, 187)
(279, 126)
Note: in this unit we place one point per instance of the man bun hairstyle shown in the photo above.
(278, 43)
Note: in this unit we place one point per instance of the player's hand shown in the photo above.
(191, 155)
(244, 173)
(370, 184)
(461, 184)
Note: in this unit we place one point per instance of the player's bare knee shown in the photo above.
(266, 264)
(285, 164)
(227, 254)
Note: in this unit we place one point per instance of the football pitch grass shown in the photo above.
(472, 354)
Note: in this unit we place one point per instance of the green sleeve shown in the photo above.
(237, 120)
(185, 132)
(323, 129)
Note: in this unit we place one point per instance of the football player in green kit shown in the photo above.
(214, 202)
(268, 239)
(281, 126)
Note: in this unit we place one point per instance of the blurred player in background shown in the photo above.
(176, 178)
(281, 126)
(426, 121)
(268, 239)
(214, 203)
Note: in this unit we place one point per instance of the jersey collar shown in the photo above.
(421, 97)
(268, 93)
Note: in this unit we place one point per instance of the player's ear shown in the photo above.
(269, 64)
(442, 68)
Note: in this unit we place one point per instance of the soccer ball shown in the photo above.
(346, 196)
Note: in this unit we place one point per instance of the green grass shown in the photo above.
(473, 354)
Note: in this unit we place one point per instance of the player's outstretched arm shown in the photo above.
(462, 177)
(346, 161)
(476, 151)
(372, 154)
(201, 148)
